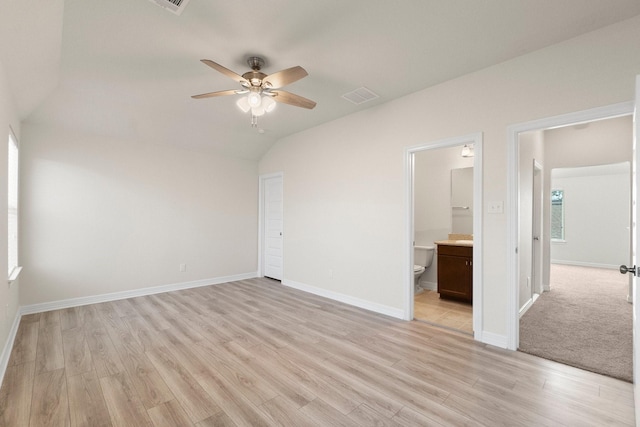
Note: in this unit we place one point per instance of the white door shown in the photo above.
(272, 227)
(536, 241)
(635, 239)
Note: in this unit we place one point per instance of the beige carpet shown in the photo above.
(584, 321)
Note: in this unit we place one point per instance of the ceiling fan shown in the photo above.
(263, 91)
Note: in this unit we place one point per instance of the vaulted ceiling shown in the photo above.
(127, 68)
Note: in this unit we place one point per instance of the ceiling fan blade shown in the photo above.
(227, 72)
(212, 94)
(285, 77)
(293, 99)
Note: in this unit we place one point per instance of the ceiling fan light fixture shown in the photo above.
(258, 87)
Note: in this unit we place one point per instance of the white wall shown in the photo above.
(432, 188)
(597, 215)
(9, 294)
(104, 215)
(344, 184)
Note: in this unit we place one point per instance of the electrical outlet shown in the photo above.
(183, 268)
(495, 207)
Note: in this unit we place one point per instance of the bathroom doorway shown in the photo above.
(445, 206)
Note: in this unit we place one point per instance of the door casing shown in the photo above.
(476, 139)
(513, 131)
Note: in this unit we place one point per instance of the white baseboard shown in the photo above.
(491, 339)
(95, 299)
(528, 304)
(586, 264)
(432, 286)
(8, 346)
(347, 299)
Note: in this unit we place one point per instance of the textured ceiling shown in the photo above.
(127, 68)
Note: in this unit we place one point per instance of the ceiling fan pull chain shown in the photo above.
(254, 121)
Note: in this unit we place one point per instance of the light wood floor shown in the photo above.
(255, 353)
(428, 306)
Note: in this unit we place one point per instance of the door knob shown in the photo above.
(624, 269)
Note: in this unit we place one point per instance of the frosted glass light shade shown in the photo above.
(243, 104)
(254, 99)
(268, 103)
(258, 111)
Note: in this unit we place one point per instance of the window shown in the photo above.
(557, 214)
(12, 202)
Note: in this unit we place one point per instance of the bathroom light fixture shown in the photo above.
(467, 150)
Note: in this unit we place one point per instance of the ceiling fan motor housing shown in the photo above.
(254, 77)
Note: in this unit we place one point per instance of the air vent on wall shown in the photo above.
(360, 96)
(175, 6)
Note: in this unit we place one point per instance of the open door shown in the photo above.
(635, 239)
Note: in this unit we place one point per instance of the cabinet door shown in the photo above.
(453, 277)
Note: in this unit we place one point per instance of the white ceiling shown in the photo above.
(127, 68)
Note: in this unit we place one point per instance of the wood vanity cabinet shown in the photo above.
(455, 272)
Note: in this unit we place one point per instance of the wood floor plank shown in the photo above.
(50, 404)
(195, 401)
(284, 385)
(325, 415)
(366, 416)
(217, 420)
(104, 356)
(123, 404)
(282, 413)
(315, 384)
(169, 414)
(25, 345)
(50, 353)
(15, 395)
(145, 377)
(86, 401)
(69, 318)
(233, 403)
(245, 379)
(77, 355)
(254, 352)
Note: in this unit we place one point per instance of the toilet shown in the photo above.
(422, 259)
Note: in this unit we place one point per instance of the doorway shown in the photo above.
(518, 289)
(437, 196)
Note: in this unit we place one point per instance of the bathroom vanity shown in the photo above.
(455, 269)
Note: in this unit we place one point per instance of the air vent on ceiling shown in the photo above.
(360, 95)
(175, 6)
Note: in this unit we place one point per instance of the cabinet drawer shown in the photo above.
(464, 251)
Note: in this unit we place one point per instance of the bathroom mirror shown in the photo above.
(462, 200)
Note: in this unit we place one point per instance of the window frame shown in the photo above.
(13, 206)
(562, 238)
